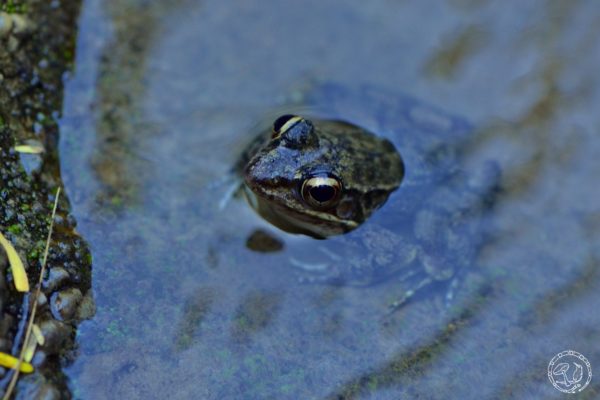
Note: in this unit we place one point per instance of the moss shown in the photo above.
(115, 329)
(31, 95)
(116, 200)
(372, 384)
(33, 255)
(14, 7)
(14, 229)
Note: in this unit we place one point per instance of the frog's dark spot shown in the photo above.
(346, 209)
(375, 197)
(385, 164)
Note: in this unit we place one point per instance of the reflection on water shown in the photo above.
(163, 97)
(121, 127)
(195, 309)
(447, 60)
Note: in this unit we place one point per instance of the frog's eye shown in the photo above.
(321, 192)
(284, 123)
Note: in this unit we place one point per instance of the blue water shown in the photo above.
(159, 104)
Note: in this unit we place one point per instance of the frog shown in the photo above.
(319, 177)
(387, 199)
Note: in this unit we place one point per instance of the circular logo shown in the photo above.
(569, 371)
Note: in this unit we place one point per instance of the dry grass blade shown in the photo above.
(39, 337)
(15, 377)
(8, 361)
(30, 146)
(30, 348)
(16, 265)
(29, 149)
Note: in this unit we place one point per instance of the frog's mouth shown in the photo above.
(317, 224)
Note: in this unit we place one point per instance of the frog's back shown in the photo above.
(427, 137)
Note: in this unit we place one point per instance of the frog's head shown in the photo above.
(321, 178)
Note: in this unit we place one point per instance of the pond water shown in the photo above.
(163, 97)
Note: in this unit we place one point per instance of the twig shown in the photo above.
(13, 380)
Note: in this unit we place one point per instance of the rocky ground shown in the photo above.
(37, 42)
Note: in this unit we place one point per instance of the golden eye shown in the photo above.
(321, 192)
(283, 123)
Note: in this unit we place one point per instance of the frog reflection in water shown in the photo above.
(324, 178)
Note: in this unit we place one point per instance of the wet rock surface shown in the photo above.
(36, 49)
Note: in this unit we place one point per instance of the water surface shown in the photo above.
(162, 99)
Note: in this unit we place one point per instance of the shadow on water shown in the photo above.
(121, 127)
(165, 95)
(402, 369)
(195, 310)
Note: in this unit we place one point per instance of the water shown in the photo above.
(156, 111)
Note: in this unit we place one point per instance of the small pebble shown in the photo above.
(64, 304)
(263, 242)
